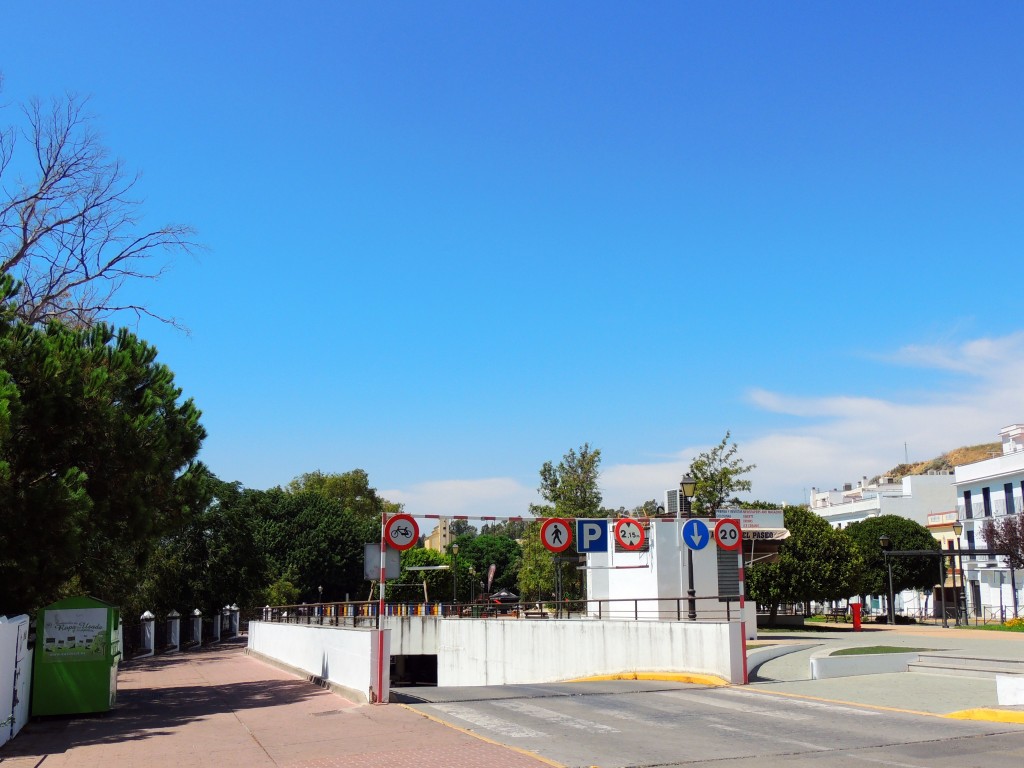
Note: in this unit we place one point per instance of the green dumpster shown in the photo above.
(77, 651)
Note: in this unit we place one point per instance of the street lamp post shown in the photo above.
(686, 487)
(886, 544)
(320, 608)
(455, 578)
(958, 528)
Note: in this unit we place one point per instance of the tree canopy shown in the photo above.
(97, 459)
(718, 475)
(816, 562)
(907, 572)
(571, 487)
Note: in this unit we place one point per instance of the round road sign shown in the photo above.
(629, 533)
(727, 534)
(555, 534)
(401, 532)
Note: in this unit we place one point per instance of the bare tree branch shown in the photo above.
(70, 228)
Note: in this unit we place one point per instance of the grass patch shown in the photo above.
(1008, 627)
(874, 649)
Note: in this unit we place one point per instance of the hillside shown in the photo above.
(945, 463)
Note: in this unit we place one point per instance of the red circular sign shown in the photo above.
(555, 534)
(401, 532)
(728, 534)
(629, 533)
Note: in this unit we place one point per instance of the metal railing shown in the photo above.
(364, 613)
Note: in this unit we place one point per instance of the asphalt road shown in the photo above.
(647, 723)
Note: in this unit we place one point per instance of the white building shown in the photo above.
(915, 497)
(921, 498)
(991, 489)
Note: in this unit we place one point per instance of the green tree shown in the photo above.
(571, 490)
(907, 572)
(718, 475)
(97, 460)
(511, 529)
(571, 487)
(816, 562)
(313, 541)
(209, 562)
(350, 489)
(408, 586)
(461, 528)
(480, 552)
(537, 569)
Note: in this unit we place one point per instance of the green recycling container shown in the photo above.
(78, 647)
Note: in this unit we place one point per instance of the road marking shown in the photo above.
(733, 705)
(555, 718)
(747, 733)
(505, 728)
(809, 703)
(611, 709)
(883, 761)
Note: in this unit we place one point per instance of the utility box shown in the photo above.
(78, 648)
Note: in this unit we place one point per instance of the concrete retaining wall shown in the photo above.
(1010, 689)
(511, 652)
(346, 657)
(824, 667)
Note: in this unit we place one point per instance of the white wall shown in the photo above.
(15, 675)
(664, 575)
(344, 656)
(510, 652)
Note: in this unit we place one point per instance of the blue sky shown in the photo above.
(446, 242)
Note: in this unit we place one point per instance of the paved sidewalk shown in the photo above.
(937, 693)
(220, 707)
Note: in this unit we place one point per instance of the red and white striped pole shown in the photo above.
(380, 610)
(743, 612)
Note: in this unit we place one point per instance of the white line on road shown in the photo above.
(711, 701)
(555, 718)
(881, 761)
(747, 733)
(496, 724)
(803, 703)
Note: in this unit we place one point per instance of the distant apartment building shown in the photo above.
(440, 537)
(915, 497)
(991, 489)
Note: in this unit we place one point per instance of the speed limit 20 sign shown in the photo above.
(728, 534)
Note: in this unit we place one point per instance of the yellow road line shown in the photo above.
(990, 715)
(672, 677)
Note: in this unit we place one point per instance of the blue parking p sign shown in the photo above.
(591, 536)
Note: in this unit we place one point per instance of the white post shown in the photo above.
(235, 619)
(216, 627)
(197, 627)
(173, 631)
(148, 634)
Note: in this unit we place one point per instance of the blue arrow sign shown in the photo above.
(695, 534)
(591, 536)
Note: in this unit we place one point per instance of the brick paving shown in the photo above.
(220, 707)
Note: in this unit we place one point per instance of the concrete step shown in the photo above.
(966, 666)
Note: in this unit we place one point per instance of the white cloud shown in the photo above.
(487, 497)
(845, 437)
(841, 438)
